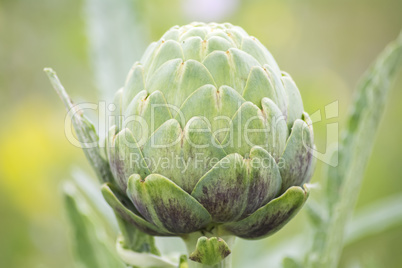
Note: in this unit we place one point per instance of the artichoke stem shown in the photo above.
(191, 245)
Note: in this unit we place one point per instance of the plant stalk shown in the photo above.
(191, 242)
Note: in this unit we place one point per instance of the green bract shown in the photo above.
(209, 134)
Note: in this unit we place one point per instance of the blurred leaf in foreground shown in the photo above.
(117, 38)
(91, 245)
(344, 181)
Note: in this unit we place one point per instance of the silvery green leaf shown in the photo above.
(375, 218)
(116, 38)
(84, 129)
(90, 190)
(354, 152)
(91, 245)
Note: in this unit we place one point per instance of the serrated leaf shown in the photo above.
(84, 129)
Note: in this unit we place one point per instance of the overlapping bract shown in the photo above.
(210, 132)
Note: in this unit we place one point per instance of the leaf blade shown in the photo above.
(344, 181)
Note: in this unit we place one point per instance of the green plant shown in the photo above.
(209, 141)
(193, 75)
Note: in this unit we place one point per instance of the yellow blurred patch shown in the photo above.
(34, 155)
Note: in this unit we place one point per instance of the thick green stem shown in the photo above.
(191, 243)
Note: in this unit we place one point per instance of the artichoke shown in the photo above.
(209, 133)
(209, 137)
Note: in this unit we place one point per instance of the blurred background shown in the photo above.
(325, 45)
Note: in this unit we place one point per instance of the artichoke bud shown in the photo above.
(211, 134)
(211, 137)
(209, 140)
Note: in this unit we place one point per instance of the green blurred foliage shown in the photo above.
(324, 45)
